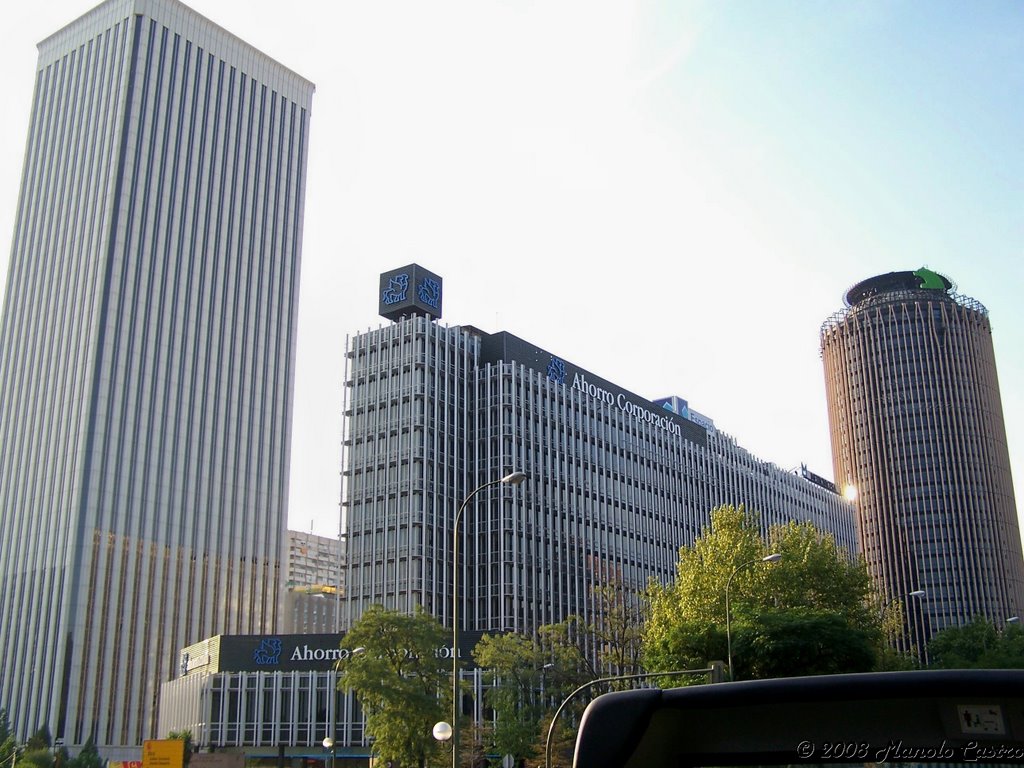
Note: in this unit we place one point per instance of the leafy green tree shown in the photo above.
(567, 645)
(563, 742)
(515, 671)
(611, 644)
(529, 677)
(792, 642)
(814, 586)
(5, 725)
(814, 572)
(89, 757)
(616, 631)
(41, 739)
(698, 593)
(8, 741)
(35, 758)
(978, 645)
(400, 681)
(36, 753)
(683, 643)
(8, 751)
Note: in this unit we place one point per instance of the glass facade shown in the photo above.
(280, 717)
(616, 484)
(917, 428)
(146, 363)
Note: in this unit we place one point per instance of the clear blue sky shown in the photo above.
(672, 195)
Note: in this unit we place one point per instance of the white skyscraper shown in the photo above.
(146, 363)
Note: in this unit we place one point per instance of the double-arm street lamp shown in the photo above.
(773, 558)
(443, 731)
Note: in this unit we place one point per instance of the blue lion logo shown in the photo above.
(397, 290)
(430, 292)
(269, 651)
(556, 370)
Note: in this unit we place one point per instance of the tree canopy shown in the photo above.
(395, 671)
(529, 677)
(978, 645)
(90, 757)
(777, 611)
(516, 671)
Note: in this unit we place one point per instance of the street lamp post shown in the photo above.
(329, 746)
(773, 558)
(442, 731)
(917, 625)
(544, 679)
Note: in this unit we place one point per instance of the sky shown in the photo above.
(672, 195)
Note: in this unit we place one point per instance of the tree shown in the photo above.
(37, 752)
(563, 742)
(35, 758)
(815, 572)
(41, 739)
(610, 644)
(792, 642)
(978, 645)
(89, 757)
(61, 757)
(616, 631)
(400, 681)
(8, 741)
(814, 587)
(8, 751)
(515, 671)
(5, 725)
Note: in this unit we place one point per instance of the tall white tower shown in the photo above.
(146, 363)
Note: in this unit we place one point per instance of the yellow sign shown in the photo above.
(163, 753)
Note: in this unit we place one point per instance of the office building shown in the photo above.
(146, 364)
(617, 483)
(917, 430)
(312, 560)
(275, 695)
(313, 573)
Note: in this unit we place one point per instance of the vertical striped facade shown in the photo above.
(917, 428)
(615, 484)
(146, 363)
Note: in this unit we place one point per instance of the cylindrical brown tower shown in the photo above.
(917, 430)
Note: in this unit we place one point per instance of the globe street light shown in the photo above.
(443, 731)
(773, 558)
(329, 746)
